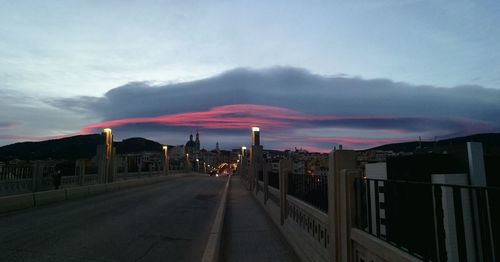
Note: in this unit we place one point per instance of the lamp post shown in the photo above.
(255, 136)
(243, 170)
(255, 157)
(165, 160)
(197, 165)
(108, 155)
(108, 141)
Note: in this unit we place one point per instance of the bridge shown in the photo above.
(267, 210)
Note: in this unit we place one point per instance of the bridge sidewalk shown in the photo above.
(249, 234)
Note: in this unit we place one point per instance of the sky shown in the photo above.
(311, 74)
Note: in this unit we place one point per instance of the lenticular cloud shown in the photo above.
(294, 106)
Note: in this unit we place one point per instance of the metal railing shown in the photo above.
(433, 222)
(309, 188)
(274, 179)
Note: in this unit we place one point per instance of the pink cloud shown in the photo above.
(239, 116)
(279, 124)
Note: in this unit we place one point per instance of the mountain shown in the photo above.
(491, 141)
(75, 147)
(137, 144)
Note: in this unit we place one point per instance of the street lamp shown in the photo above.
(243, 148)
(255, 136)
(165, 155)
(108, 155)
(108, 141)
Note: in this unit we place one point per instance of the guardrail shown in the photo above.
(34, 199)
(47, 175)
(455, 221)
(304, 225)
(378, 220)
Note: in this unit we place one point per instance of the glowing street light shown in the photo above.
(255, 136)
(108, 140)
(243, 148)
(165, 151)
(165, 155)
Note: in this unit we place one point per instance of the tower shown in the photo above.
(190, 146)
(197, 142)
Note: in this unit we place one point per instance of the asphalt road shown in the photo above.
(167, 221)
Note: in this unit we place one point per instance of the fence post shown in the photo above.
(37, 175)
(347, 210)
(337, 161)
(265, 177)
(284, 170)
(101, 164)
(113, 165)
(80, 171)
(256, 165)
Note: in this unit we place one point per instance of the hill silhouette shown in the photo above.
(489, 140)
(84, 146)
(75, 147)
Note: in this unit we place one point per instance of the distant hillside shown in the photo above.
(74, 147)
(137, 144)
(491, 140)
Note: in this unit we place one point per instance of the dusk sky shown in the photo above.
(311, 74)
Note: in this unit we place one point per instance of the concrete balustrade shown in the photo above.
(370, 248)
(97, 189)
(314, 234)
(14, 202)
(77, 192)
(22, 201)
(46, 197)
(113, 187)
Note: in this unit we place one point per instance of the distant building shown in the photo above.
(193, 147)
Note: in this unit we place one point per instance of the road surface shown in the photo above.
(167, 221)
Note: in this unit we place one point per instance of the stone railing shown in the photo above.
(316, 234)
(310, 219)
(304, 226)
(35, 199)
(17, 186)
(39, 176)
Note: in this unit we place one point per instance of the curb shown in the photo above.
(211, 253)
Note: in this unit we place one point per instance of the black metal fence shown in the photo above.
(309, 188)
(274, 179)
(424, 219)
